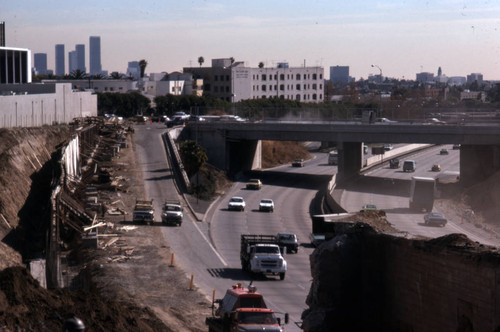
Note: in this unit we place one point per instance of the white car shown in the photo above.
(266, 205)
(236, 203)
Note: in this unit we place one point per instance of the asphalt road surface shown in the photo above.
(388, 189)
(209, 250)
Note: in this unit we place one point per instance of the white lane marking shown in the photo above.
(208, 242)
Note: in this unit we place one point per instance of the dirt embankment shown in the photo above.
(275, 153)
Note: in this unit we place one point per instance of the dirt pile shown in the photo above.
(26, 306)
(276, 153)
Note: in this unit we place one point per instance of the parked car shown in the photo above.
(456, 146)
(436, 168)
(394, 163)
(384, 120)
(409, 166)
(443, 151)
(388, 147)
(267, 205)
(435, 218)
(298, 163)
(236, 203)
(254, 184)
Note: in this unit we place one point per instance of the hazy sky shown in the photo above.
(401, 37)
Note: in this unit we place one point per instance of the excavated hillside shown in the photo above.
(24, 153)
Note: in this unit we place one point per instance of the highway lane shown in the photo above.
(389, 190)
(210, 250)
(292, 190)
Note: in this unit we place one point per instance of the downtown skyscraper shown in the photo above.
(60, 60)
(95, 55)
(77, 59)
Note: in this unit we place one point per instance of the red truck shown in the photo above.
(243, 309)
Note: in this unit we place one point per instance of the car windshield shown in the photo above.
(236, 200)
(173, 208)
(267, 250)
(266, 201)
(257, 318)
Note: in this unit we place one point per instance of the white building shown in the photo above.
(234, 81)
(35, 105)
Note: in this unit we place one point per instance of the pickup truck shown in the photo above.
(262, 254)
(288, 240)
(143, 211)
(172, 213)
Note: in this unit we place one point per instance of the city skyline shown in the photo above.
(402, 39)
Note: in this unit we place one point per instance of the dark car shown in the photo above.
(298, 163)
(456, 146)
(394, 163)
(436, 218)
(443, 151)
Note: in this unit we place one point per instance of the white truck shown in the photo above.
(333, 158)
(262, 254)
(172, 213)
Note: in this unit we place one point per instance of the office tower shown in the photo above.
(60, 63)
(339, 74)
(80, 57)
(133, 70)
(40, 63)
(72, 61)
(95, 55)
(2, 34)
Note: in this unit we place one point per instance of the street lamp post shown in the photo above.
(381, 109)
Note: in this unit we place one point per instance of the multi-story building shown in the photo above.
(339, 74)
(133, 70)
(425, 77)
(2, 34)
(233, 81)
(95, 55)
(60, 62)
(72, 61)
(80, 57)
(15, 65)
(40, 67)
(475, 77)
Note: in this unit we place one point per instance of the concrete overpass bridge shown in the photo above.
(234, 146)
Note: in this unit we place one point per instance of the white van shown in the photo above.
(333, 158)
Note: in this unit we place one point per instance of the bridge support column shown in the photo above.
(350, 159)
(243, 155)
(478, 162)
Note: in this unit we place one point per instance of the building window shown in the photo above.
(275, 76)
(216, 77)
(305, 86)
(297, 97)
(227, 78)
(264, 77)
(314, 86)
(321, 86)
(263, 88)
(314, 76)
(297, 77)
(111, 89)
(314, 96)
(282, 77)
(227, 89)
(320, 76)
(270, 88)
(275, 87)
(282, 87)
(297, 87)
(321, 97)
(173, 89)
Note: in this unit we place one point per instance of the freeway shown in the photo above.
(388, 189)
(210, 250)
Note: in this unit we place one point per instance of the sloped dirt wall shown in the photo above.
(365, 281)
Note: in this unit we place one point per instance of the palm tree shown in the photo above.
(201, 60)
(142, 64)
(116, 75)
(261, 64)
(77, 74)
(232, 60)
